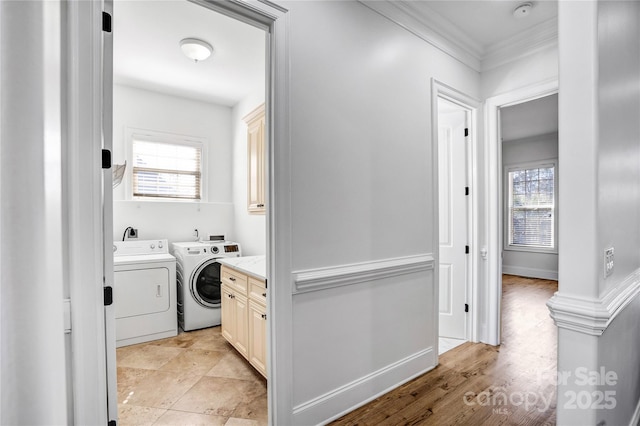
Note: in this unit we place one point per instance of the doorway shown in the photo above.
(200, 106)
(494, 222)
(455, 131)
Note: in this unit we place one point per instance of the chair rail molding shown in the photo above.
(354, 273)
(592, 316)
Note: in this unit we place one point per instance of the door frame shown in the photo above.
(472, 106)
(494, 196)
(83, 113)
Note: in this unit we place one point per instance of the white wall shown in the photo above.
(541, 66)
(142, 109)
(362, 190)
(250, 229)
(530, 264)
(618, 198)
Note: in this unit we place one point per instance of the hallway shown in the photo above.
(478, 384)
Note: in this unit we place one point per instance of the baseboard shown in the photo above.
(635, 420)
(530, 272)
(340, 401)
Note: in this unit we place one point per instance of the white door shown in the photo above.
(452, 173)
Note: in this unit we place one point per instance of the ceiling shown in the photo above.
(533, 118)
(490, 22)
(147, 52)
(482, 34)
(147, 36)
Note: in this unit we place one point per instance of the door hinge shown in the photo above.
(466, 307)
(466, 249)
(466, 132)
(106, 22)
(106, 159)
(466, 190)
(66, 303)
(108, 296)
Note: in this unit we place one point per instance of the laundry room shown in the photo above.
(188, 170)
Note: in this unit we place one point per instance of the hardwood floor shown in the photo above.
(478, 384)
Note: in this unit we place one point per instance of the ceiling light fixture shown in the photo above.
(523, 10)
(195, 49)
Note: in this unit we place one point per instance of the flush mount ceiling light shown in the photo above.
(196, 49)
(523, 10)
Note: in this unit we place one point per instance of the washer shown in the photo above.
(198, 281)
(144, 293)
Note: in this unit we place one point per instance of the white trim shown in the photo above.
(592, 316)
(350, 396)
(535, 39)
(438, 31)
(201, 142)
(493, 202)
(507, 168)
(522, 271)
(472, 105)
(425, 27)
(84, 210)
(635, 420)
(342, 275)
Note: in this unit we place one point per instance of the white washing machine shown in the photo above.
(198, 279)
(144, 293)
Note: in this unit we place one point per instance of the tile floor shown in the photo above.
(195, 378)
(446, 344)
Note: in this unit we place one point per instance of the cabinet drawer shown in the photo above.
(257, 290)
(234, 279)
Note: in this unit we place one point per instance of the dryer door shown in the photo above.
(205, 284)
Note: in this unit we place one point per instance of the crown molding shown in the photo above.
(406, 16)
(592, 316)
(438, 31)
(535, 39)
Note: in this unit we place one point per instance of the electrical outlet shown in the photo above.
(608, 262)
(133, 233)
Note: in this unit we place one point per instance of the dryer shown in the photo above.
(144, 293)
(198, 281)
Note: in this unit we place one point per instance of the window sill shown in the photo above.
(531, 249)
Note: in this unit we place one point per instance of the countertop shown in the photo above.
(255, 266)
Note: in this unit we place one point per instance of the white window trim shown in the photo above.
(530, 165)
(132, 133)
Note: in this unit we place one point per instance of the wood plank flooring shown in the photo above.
(478, 384)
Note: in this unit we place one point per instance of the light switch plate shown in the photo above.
(608, 262)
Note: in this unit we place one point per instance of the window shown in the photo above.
(166, 169)
(531, 193)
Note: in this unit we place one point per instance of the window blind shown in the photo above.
(166, 170)
(531, 207)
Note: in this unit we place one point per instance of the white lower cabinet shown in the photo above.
(244, 317)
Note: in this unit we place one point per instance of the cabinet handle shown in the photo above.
(264, 316)
(231, 279)
(264, 294)
(260, 205)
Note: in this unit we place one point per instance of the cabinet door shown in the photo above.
(258, 337)
(242, 327)
(255, 160)
(255, 153)
(228, 314)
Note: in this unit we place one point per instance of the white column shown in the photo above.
(32, 354)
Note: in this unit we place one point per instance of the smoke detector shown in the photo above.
(523, 10)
